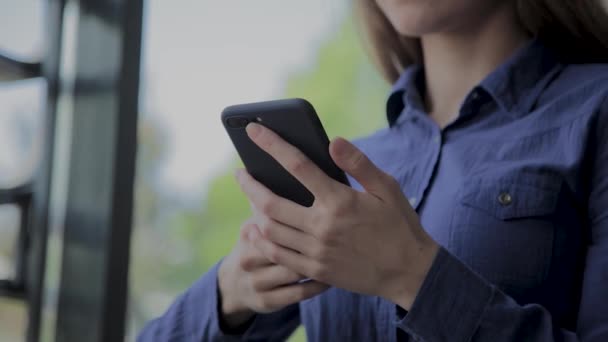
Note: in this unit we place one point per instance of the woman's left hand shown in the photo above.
(367, 242)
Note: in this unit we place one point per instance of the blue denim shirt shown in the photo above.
(515, 190)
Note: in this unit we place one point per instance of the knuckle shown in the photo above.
(326, 236)
(245, 229)
(274, 254)
(245, 263)
(267, 205)
(358, 160)
(267, 228)
(343, 207)
(391, 181)
(299, 165)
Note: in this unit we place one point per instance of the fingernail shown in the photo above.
(253, 130)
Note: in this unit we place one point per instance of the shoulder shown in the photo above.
(580, 89)
(589, 82)
(585, 80)
(585, 89)
(590, 72)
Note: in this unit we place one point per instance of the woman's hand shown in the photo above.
(366, 242)
(249, 283)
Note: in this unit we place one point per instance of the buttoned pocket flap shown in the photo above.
(510, 199)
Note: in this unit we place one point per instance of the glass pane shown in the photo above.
(12, 311)
(21, 127)
(22, 28)
(13, 320)
(9, 230)
(200, 56)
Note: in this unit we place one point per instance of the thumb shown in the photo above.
(354, 162)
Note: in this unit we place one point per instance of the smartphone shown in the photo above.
(294, 120)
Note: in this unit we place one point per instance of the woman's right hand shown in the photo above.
(249, 283)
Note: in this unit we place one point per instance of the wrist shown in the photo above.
(232, 311)
(408, 284)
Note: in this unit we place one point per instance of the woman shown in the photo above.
(479, 214)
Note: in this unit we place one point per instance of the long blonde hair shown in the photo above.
(577, 30)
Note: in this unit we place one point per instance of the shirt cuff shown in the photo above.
(203, 299)
(450, 304)
(203, 315)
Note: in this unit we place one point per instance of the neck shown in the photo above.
(457, 61)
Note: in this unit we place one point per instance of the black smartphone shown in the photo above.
(294, 120)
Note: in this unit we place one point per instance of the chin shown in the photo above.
(415, 27)
(415, 18)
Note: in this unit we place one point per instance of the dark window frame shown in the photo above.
(93, 284)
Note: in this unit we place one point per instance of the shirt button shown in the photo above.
(505, 199)
(475, 96)
(436, 139)
(413, 201)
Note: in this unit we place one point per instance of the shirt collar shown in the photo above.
(514, 86)
(517, 83)
(407, 86)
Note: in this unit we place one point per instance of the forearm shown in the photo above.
(456, 304)
(195, 316)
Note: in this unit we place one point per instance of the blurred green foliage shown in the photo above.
(349, 96)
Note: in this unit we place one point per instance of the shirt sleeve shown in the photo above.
(194, 316)
(456, 304)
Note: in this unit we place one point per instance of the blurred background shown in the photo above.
(196, 57)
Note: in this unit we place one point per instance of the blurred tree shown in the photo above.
(349, 96)
(150, 156)
(347, 92)
(149, 269)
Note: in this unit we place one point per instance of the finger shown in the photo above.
(354, 162)
(268, 278)
(286, 236)
(292, 159)
(295, 261)
(292, 294)
(247, 226)
(251, 258)
(270, 204)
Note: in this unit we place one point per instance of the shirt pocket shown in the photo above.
(503, 228)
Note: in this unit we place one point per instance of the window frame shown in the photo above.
(99, 202)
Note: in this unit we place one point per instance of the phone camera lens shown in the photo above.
(237, 122)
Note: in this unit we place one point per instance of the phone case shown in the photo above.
(296, 121)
